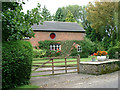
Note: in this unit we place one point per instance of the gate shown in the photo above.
(56, 64)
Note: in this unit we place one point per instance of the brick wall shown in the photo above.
(41, 36)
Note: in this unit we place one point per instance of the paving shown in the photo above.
(74, 80)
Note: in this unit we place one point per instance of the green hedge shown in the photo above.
(45, 45)
(88, 47)
(38, 53)
(16, 63)
(114, 53)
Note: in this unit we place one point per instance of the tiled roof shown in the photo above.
(58, 26)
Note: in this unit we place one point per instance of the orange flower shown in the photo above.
(101, 53)
(95, 54)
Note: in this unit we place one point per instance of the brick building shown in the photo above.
(52, 30)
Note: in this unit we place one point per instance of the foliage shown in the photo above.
(16, 24)
(101, 53)
(70, 17)
(114, 52)
(16, 63)
(88, 47)
(59, 15)
(38, 53)
(75, 10)
(62, 12)
(46, 14)
(55, 53)
(33, 87)
(45, 45)
(102, 17)
(99, 46)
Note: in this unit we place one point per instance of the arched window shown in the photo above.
(79, 49)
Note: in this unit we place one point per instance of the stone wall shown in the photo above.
(98, 68)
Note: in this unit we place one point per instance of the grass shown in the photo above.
(40, 60)
(33, 87)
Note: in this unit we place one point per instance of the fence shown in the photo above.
(57, 64)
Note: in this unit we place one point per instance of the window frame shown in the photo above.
(54, 47)
(79, 48)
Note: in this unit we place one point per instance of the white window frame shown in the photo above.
(79, 48)
(55, 47)
(26, 38)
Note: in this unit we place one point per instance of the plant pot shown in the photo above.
(93, 59)
(101, 58)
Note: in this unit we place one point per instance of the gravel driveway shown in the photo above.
(75, 80)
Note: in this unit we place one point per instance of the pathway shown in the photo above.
(75, 80)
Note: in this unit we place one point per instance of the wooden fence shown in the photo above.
(66, 64)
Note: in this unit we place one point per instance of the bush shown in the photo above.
(114, 52)
(45, 45)
(16, 63)
(38, 53)
(88, 47)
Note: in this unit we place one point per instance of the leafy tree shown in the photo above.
(70, 17)
(102, 18)
(16, 24)
(75, 10)
(90, 32)
(59, 15)
(46, 14)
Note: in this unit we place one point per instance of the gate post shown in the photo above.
(78, 63)
(52, 67)
(65, 65)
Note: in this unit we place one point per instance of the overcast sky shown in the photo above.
(53, 5)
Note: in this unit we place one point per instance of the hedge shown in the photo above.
(88, 47)
(16, 63)
(114, 53)
(38, 53)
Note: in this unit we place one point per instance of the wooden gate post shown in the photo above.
(78, 63)
(65, 65)
(52, 67)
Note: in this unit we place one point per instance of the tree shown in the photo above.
(90, 32)
(70, 17)
(46, 14)
(16, 24)
(75, 10)
(59, 15)
(101, 15)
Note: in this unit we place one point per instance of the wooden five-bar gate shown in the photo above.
(62, 65)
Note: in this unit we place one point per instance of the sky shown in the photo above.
(53, 5)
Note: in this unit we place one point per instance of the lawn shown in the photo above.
(42, 60)
(31, 87)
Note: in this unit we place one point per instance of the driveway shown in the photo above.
(75, 80)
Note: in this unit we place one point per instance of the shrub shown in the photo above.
(45, 45)
(114, 52)
(88, 47)
(38, 53)
(16, 63)
(99, 46)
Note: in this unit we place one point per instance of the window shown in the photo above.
(26, 38)
(55, 47)
(52, 35)
(79, 49)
